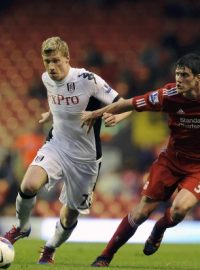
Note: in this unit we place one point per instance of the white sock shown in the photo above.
(23, 211)
(60, 235)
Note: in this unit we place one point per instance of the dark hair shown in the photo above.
(192, 61)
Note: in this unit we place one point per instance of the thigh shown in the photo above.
(49, 159)
(80, 180)
(192, 184)
(34, 178)
(162, 180)
(184, 200)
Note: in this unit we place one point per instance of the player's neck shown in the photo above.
(65, 73)
(194, 94)
(67, 70)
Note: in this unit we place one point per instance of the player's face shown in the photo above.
(185, 80)
(56, 65)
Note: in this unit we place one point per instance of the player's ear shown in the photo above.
(198, 80)
(68, 58)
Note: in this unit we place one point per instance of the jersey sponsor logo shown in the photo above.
(39, 158)
(71, 87)
(189, 123)
(60, 99)
(153, 98)
(107, 88)
(89, 76)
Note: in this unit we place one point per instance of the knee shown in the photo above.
(29, 189)
(178, 213)
(66, 222)
(143, 210)
(140, 216)
(68, 217)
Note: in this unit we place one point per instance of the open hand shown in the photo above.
(110, 120)
(86, 116)
(87, 120)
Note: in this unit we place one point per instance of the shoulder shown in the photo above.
(162, 94)
(170, 87)
(75, 72)
(81, 74)
(89, 77)
(169, 90)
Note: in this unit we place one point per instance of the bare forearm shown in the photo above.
(123, 116)
(121, 106)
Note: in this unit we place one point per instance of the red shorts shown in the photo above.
(171, 171)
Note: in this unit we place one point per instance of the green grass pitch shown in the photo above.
(80, 255)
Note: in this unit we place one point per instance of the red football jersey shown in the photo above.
(184, 118)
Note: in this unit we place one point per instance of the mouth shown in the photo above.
(52, 74)
(179, 86)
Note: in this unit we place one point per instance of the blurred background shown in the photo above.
(132, 45)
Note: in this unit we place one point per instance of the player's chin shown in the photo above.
(55, 77)
(180, 90)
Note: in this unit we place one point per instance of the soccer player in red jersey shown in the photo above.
(177, 167)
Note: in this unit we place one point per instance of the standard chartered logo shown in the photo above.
(190, 120)
(190, 123)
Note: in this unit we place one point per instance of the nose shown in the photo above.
(179, 78)
(51, 67)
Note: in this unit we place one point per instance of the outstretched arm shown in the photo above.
(112, 114)
(121, 106)
(110, 120)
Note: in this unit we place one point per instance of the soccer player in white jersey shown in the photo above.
(69, 154)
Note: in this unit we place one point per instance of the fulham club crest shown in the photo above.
(71, 87)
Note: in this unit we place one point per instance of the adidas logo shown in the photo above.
(180, 112)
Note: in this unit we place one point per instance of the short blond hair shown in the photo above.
(55, 44)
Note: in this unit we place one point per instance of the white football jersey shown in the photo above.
(80, 90)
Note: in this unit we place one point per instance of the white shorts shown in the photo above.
(79, 177)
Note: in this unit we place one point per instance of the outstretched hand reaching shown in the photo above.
(87, 120)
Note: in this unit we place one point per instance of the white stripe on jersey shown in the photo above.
(170, 92)
(140, 102)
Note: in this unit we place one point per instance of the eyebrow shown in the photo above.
(182, 72)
